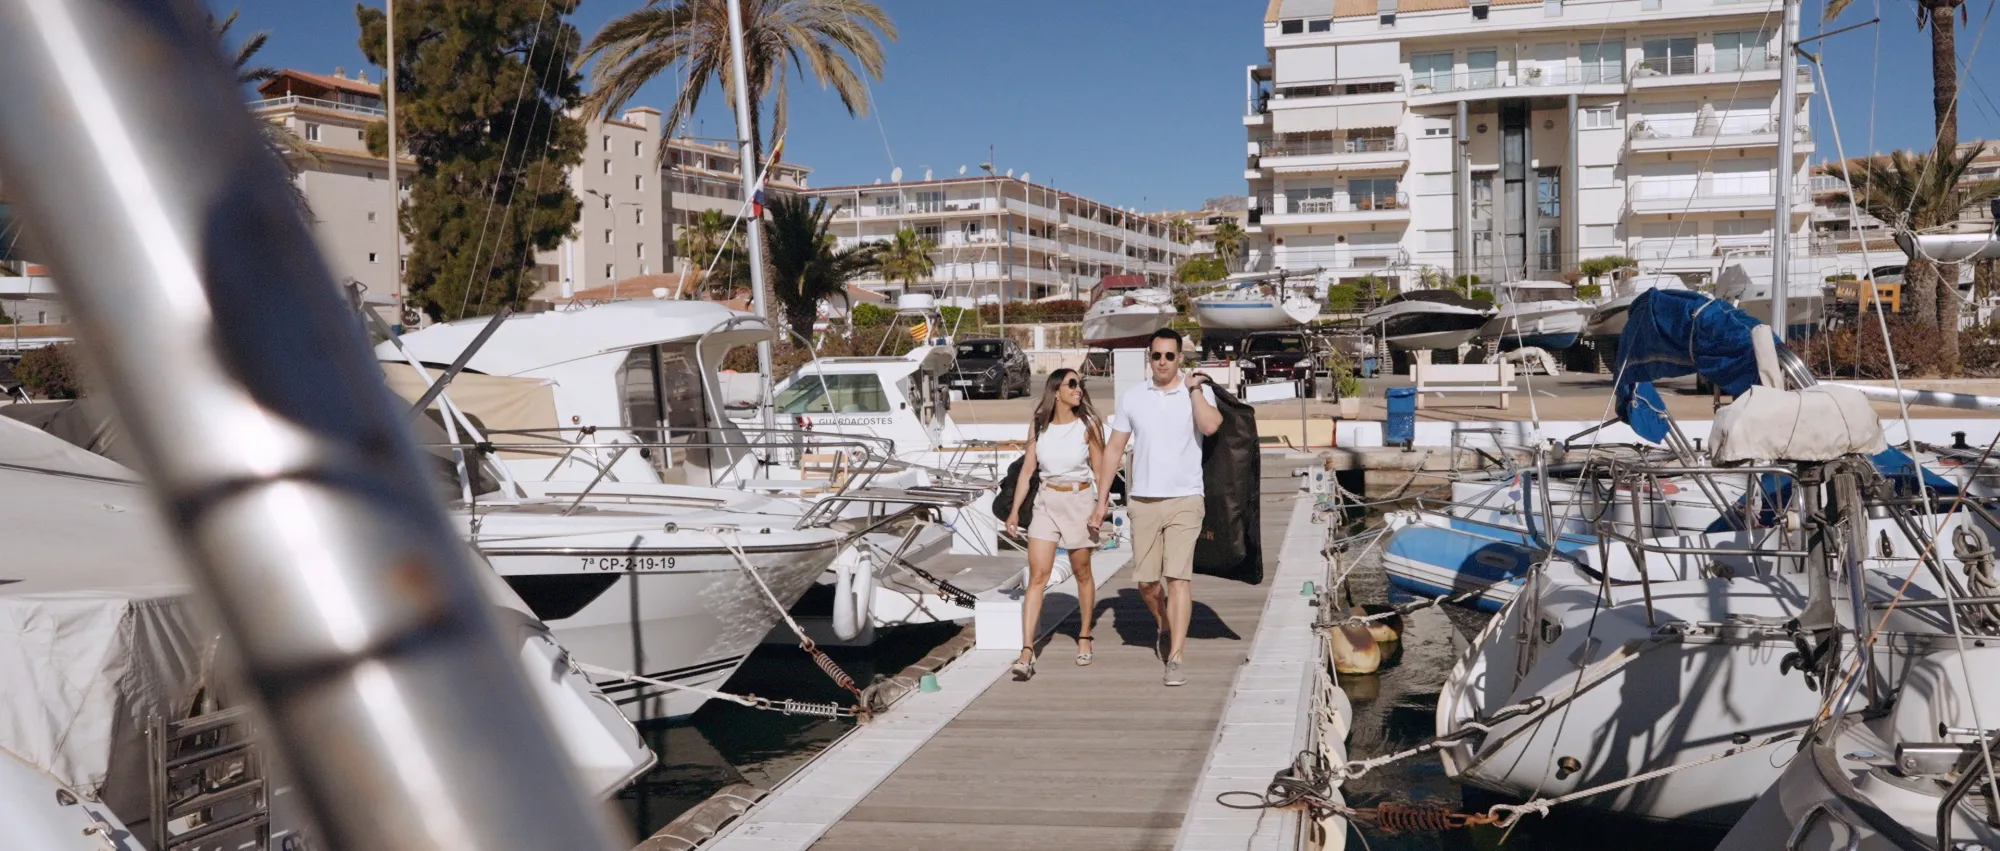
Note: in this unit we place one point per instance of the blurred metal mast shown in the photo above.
(395, 171)
(290, 483)
(748, 166)
(1788, 120)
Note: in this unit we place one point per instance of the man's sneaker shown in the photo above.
(1174, 675)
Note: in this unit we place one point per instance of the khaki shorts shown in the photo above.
(1163, 536)
(1064, 517)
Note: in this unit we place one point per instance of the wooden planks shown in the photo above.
(1104, 757)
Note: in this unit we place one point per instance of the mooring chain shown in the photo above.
(727, 535)
(1467, 729)
(1309, 782)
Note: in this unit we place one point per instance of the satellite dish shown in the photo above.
(896, 176)
(961, 171)
(878, 181)
(927, 175)
(1010, 172)
(1024, 177)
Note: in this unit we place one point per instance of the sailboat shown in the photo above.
(1259, 301)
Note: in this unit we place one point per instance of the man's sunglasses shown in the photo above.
(1166, 355)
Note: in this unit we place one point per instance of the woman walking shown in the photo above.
(1065, 443)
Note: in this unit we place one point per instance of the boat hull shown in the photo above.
(1608, 320)
(1125, 327)
(1557, 328)
(689, 616)
(1253, 314)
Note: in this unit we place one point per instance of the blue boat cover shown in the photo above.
(1671, 333)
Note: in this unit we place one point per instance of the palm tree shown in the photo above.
(1180, 230)
(1927, 186)
(806, 267)
(707, 235)
(1935, 15)
(282, 142)
(826, 38)
(1229, 240)
(906, 258)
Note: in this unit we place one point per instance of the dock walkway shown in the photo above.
(1104, 757)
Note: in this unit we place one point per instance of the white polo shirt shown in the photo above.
(1166, 447)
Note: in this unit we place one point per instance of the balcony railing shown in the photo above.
(1572, 75)
(1668, 192)
(1347, 204)
(1324, 147)
(1700, 127)
(1349, 257)
(334, 105)
(1522, 75)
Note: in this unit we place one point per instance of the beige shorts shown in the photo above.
(1163, 535)
(1064, 517)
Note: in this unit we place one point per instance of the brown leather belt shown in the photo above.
(1067, 487)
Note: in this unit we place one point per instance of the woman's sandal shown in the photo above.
(1024, 668)
(1084, 658)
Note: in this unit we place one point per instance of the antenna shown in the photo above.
(896, 176)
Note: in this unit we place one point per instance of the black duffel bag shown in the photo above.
(1003, 499)
(1231, 544)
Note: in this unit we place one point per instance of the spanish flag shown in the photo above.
(920, 331)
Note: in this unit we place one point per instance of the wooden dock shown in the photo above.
(1104, 756)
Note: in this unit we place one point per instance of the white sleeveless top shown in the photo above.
(1063, 453)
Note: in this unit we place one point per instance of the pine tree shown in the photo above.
(483, 93)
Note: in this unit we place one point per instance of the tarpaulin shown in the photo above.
(1671, 333)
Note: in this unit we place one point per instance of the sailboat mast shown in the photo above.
(1788, 119)
(395, 174)
(748, 166)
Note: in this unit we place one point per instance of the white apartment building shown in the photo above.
(1514, 138)
(633, 204)
(1001, 237)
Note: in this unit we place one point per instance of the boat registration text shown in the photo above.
(628, 562)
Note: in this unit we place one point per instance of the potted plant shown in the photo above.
(1534, 74)
(1349, 389)
(1421, 87)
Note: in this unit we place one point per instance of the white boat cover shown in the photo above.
(1815, 424)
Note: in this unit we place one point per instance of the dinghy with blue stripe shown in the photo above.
(1461, 555)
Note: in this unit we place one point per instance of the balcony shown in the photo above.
(1711, 194)
(1305, 156)
(1341, 209)
(1437, 88)
(295, 102)
(1342, 257)
(1700, 134)
(1723, 70)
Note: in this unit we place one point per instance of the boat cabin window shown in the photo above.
(661, 391)
(929, 398)
(984, 349)
(834, 394)
(1521, 295)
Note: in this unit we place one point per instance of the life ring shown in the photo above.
(853, 593)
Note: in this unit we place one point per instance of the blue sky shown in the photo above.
(1138, 103)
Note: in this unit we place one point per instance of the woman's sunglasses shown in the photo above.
(1070, 383)
(1166, 355)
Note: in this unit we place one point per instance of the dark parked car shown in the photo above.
(1277, 356)
(991, 367)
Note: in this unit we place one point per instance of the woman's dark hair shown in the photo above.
(1045, 410)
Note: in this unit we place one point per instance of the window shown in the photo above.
(638, 215)
(930, 201)
(1552, 8)
(1548, 193)
(1435, 132)
(854, 393)
(1482, 195)
(1319, 26)
(312, 132)
(642, 251)
(1377, 193)
(1482, 69)
(403, 184)
(1667, 56)
(1599, 117)
(931, 231)
(1480, 9)
(607, 166)
(1291, 27)
(608, 271)
(638, 148)
(606, 199)
(888, 205)
(1741, 51)
(1598, 175)
(607, 143)
(371, 256)
(374, 176)
(1603, 61)
(1431, 71)
(607, 236)
(1385, 12)
(1547, 245)
(371, 217)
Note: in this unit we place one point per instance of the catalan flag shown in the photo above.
(920, 331)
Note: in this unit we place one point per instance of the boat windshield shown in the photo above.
(1520, 295)
(850, 394)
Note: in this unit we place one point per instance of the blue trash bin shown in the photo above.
(1401, 429)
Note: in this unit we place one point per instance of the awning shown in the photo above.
(1355, 117)
(491, 401)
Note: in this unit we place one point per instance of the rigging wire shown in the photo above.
(493, 187)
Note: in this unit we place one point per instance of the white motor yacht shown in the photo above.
(1536, 314)
(1745, 281)
(1124, 313)
(1429, 319)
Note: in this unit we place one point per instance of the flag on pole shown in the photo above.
(757, 203)
(920, 331)
(757, 197)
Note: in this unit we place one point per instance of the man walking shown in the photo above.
(1164, 419)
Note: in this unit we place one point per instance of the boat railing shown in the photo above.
(847, 462)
